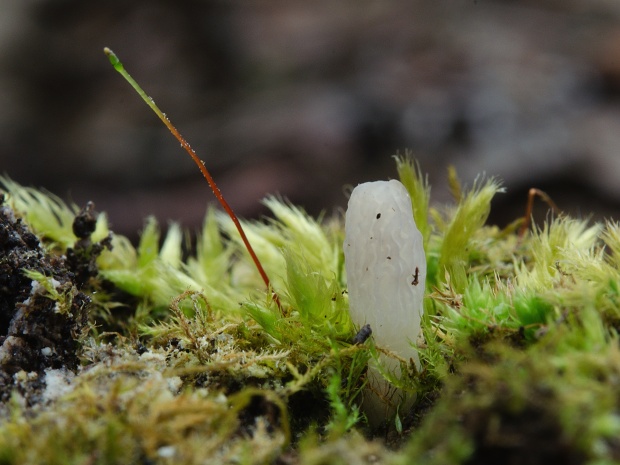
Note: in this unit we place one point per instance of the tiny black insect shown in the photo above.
(378, 215)
(363, 334)
(415, 276)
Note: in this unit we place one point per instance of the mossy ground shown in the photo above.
(184, 358)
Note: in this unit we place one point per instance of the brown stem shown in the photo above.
(533, 192)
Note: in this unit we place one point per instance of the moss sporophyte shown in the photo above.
(118, 66)
(112, 352)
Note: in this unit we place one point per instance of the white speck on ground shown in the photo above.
(57, 383)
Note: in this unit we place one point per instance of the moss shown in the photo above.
(511, 405)
(178, 360)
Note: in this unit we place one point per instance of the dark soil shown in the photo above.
(37, 332)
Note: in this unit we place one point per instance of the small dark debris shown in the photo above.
(81, 258)
(85, 221)
(363, 334)
(416, 277)
(259, 406)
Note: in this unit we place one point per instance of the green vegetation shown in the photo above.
(190, 360)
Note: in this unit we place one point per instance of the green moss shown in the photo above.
(554, 403)
(129, 409)
(193, 358)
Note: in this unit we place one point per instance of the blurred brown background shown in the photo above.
(303, 97)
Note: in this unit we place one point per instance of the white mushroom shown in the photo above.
(386, 274)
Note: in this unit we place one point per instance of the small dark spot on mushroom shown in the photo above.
(378, 215)
(415, 276)
(389, 258)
